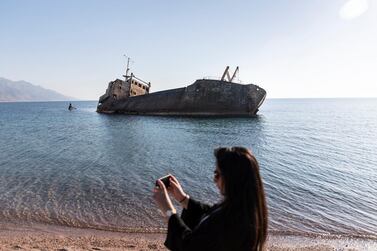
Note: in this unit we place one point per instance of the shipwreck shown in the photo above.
(205, 97)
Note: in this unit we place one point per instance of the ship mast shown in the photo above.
(128, 67)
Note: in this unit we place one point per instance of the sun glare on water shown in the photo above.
(353, 9)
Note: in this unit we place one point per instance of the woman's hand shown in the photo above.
(161, 196)
(176, 189)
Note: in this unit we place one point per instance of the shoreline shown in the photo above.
(41, 237)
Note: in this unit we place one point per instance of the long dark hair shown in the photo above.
(244, 198)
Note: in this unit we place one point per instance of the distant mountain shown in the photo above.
(24, 91)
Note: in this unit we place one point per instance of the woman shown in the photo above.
(239, 222)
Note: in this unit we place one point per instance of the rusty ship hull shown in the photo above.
(202, 98)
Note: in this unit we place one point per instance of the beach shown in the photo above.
(15, 237)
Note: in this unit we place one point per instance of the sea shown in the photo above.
(318, 160)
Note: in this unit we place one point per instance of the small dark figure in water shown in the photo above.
(70, 107)
(237, 223)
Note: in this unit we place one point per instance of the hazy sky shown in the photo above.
(292, 48)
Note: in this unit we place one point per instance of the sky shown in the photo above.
(291, 48)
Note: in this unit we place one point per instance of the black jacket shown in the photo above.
(202, 227)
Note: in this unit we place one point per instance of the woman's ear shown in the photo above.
(222, 186)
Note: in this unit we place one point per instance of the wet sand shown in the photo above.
(13, 237)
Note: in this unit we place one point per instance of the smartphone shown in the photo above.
(165, 180)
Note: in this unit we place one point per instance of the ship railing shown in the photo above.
(238, 81)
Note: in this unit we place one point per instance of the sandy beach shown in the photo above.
(13, 237)
(65, 238)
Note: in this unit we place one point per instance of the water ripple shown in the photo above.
(85, 169)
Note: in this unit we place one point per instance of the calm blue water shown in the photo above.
(318, 160)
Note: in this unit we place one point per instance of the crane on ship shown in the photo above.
(226, 74)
